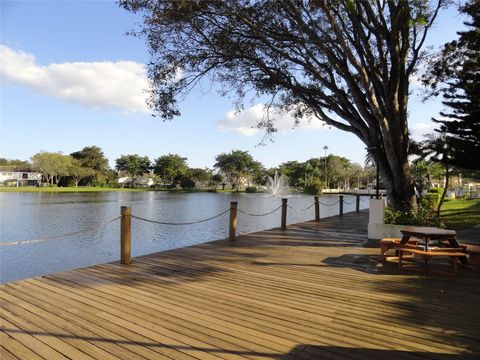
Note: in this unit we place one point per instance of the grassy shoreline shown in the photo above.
(91, 189)
(88, 189)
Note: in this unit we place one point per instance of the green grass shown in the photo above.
(460, 214)
(94, 189)
(67, 189)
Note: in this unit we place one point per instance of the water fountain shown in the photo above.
(278, 184)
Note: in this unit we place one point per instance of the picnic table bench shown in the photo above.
(453, 253)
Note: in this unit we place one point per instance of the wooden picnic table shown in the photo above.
(428, 234)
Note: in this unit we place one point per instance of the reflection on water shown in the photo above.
(27, 216)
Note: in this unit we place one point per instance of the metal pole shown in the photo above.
(317, 209)
(341, 205)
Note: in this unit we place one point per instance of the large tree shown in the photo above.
(236, 166)
(171, 168)
(53, 166)
(455, 74)
(345, 62)
(79, 172)
(92, 157)
(134, 165)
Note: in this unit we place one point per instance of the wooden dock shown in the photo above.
(314, 291)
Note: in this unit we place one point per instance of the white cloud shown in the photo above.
(422, 128)
(245, 122)
(120, 84)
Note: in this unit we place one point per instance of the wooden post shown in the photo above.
(341, 205)
(357, 206)
(126, 235)
(284, 214)
(317, 209)
(233, 221)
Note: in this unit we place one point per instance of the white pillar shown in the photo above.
(375, 220)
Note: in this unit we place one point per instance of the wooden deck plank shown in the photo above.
(314, 291)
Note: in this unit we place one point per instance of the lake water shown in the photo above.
(36, 216)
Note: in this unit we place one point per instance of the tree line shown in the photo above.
(237, 169)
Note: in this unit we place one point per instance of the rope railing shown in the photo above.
(302, 210)
(335, 203)
(58, 237)
(126, 217)
(264, 214)
(180, 223)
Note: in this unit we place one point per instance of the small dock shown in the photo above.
(314, 291)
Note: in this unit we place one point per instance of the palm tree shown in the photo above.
(326, 179)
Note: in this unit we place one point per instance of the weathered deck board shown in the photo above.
(315, 291)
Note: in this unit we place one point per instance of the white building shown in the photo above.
(11, 176)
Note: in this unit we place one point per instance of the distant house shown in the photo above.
(146, 180)
(12, 176)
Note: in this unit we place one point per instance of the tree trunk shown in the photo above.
(442, 199)
(398, 182)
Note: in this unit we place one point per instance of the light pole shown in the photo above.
(377, 187)
(326, 178)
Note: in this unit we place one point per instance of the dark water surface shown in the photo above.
(37, 216)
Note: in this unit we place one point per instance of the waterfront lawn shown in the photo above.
(67, 189)
(94, 189)
(460, 214)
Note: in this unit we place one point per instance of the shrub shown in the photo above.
(313, 187)
(437, 190)
(251, 189)
(430, 201)
(420, 217)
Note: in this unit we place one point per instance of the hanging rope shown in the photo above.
(301, 210)
(335, 203)
(180, 223)
(57, 237)
(268, 213)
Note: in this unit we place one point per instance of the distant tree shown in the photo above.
(355, 172)
(294, 171)
(215, 180)
(258, 173)
(236, 166)
(346, 63)
(92, 157)
(133, 165)
(17, 164)
(455, 74)
(78, 172)
(170, 167)
(198, 175)
(53, 166)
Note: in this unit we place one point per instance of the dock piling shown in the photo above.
(126, 235)
(233, 221)
(284, 214)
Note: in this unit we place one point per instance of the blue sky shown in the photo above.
(71, 77)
